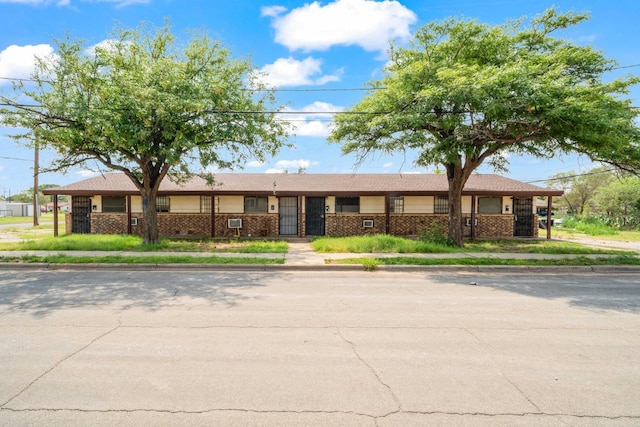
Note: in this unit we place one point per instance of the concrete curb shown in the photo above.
(612, 269)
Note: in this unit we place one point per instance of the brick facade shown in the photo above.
(351, 224)
(267, 225)
(254, 225)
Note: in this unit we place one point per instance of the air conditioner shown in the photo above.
(367, 223)
(134, 221)
(234, 223)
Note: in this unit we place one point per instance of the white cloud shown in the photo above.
(365, 23)
(254, 164)
(19, 61)
(273, 170)
(288, 164)
(312, 120)
(272, 11)
(291, 72)
(86, 173)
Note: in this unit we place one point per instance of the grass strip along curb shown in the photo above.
(119, 259)
(373, 263)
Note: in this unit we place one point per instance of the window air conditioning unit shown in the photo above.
(367, 223)
(234, 223)
(134, 221)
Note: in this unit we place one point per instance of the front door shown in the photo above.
(288, 210)
(523, 211)
(80, 214)
(314, 216)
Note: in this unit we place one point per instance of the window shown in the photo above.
(396, 204)
(489, 205)
(205, 204)
(162, 204)
(347, 204)
(441, 205)
(114, 204)
(257, 204)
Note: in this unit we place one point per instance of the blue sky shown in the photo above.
(311, 51)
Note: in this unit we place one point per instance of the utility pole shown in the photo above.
(36, 166)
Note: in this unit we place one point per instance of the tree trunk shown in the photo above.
(150, 235)
(457, 178)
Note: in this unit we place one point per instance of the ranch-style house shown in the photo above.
(300, 205)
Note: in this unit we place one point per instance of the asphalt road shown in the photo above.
(310, 348)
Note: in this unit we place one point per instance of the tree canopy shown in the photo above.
(465, 93)
(144, 105)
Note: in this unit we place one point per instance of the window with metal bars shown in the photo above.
(205, 204)
(396, 204)
(441, 205)
(162, 204)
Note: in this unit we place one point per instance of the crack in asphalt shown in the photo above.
(58, 363)
(286, 411)
(375, 373)
(513, 384)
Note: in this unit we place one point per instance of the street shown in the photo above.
(228, 347)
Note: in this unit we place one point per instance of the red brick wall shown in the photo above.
(109, 223)
(254, 225)
(412, 224)
(267, 225)
(351, 224)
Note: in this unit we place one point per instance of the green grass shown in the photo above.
(391, 244)
(152, 259)
(588, 226)
(372, 263)
(48, 217)
(112, 242)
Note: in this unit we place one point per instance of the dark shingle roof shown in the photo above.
(310, 184)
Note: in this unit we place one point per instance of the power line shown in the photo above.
(571, 176)
(16, 158)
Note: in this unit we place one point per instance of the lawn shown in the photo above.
(147, 259)
(113, 242)
(392, 244)
(372, 264)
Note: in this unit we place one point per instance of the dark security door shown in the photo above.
(314, 217)
(80, 211)
(523, 211)
(288, 209)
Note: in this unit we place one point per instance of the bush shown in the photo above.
(436, 234)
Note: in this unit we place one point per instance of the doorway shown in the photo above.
(81, 214)
(314, 216)
(523, 212)
(288, 212)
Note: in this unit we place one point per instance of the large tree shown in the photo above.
(580, 189)
(147, 106)
(465, 93)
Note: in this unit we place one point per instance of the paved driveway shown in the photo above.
(330, 348)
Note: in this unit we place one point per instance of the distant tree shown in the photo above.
(580, 189)
(141, 105)
(619, 200)
(26, 196)
(467, 93)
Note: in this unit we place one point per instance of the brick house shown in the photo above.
(290, 205)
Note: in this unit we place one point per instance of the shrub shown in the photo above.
(436, 234)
